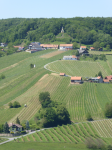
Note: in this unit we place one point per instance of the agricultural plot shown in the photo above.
(77, 68)
(67, 133)
(103, 128)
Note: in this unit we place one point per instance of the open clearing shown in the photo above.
(52, 54)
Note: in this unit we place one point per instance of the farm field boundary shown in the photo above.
(49, 55)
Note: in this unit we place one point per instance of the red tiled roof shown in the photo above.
(62, 74)
(76, 78)
(16, 46)
(49, 45)
(108, 77)
(83, 46)
(66, 45)
(98, 77)
(73, 56)
(92, 48)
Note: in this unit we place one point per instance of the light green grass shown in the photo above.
(79, 68)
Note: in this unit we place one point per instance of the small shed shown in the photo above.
(62, 74)
(76, 80)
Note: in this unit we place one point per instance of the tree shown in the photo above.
(27, 125)
(1, 128)
(63, 116)
(16, 104)
(75, 45)
(102, 44)
(108, 47)
(44, 98)
(108, 110)
(10, 105)
(31, 65)
(96, 45)
(17, 120)
(77, 53)
(2, 76)
(100, 74)
(6, 128)
(88, 117)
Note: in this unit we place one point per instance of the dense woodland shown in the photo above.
(82, 30)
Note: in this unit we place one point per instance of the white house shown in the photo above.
(66, 46)
(97, 79)
(3, 44)
(73, 57)
(83, 48)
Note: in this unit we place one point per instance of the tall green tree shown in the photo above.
(100, 74)
(6, 128)
(96, 45)
(27, 125)
(17, 120)
(44, 98)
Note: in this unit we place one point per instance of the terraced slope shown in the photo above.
(71, 133)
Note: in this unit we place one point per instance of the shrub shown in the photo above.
(2, 76)
(31, 65)
(12, 132)
(23, 132)
(88, 117)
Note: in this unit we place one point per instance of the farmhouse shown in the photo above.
(92, 48)
(96, 79)
(49, 46)
(14, 127)
(66, 46)
(73, 57)
(83, 48)
(35, 46)
(76, 80)
(83, 52)
(109, 78)
(62, 74)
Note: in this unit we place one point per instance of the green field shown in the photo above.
(79, 68)
(24, 84)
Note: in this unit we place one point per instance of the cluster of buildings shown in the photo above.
(36, 46)
(99, 79)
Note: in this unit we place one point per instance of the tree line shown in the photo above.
(81, 30)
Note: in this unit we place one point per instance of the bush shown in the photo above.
(88, 117)
(12, 132)
(2, 76)
(23, 132)
(108, 110)
(31, 65)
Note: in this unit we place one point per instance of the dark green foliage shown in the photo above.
(109, 147)
(96, 45)
(95, 57)
(102, 57)
(31, 65)
(100, 74)
(10, 105)
(75, 45)
(81, 30)
(44, 99)
(2, 76)
(27, 125)
(16, 104)
(1, 128)
(108, 110)
(17, 120)
(89, 117)
(23, 132)
(77, 53)
(6, 128)
(51, 113)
